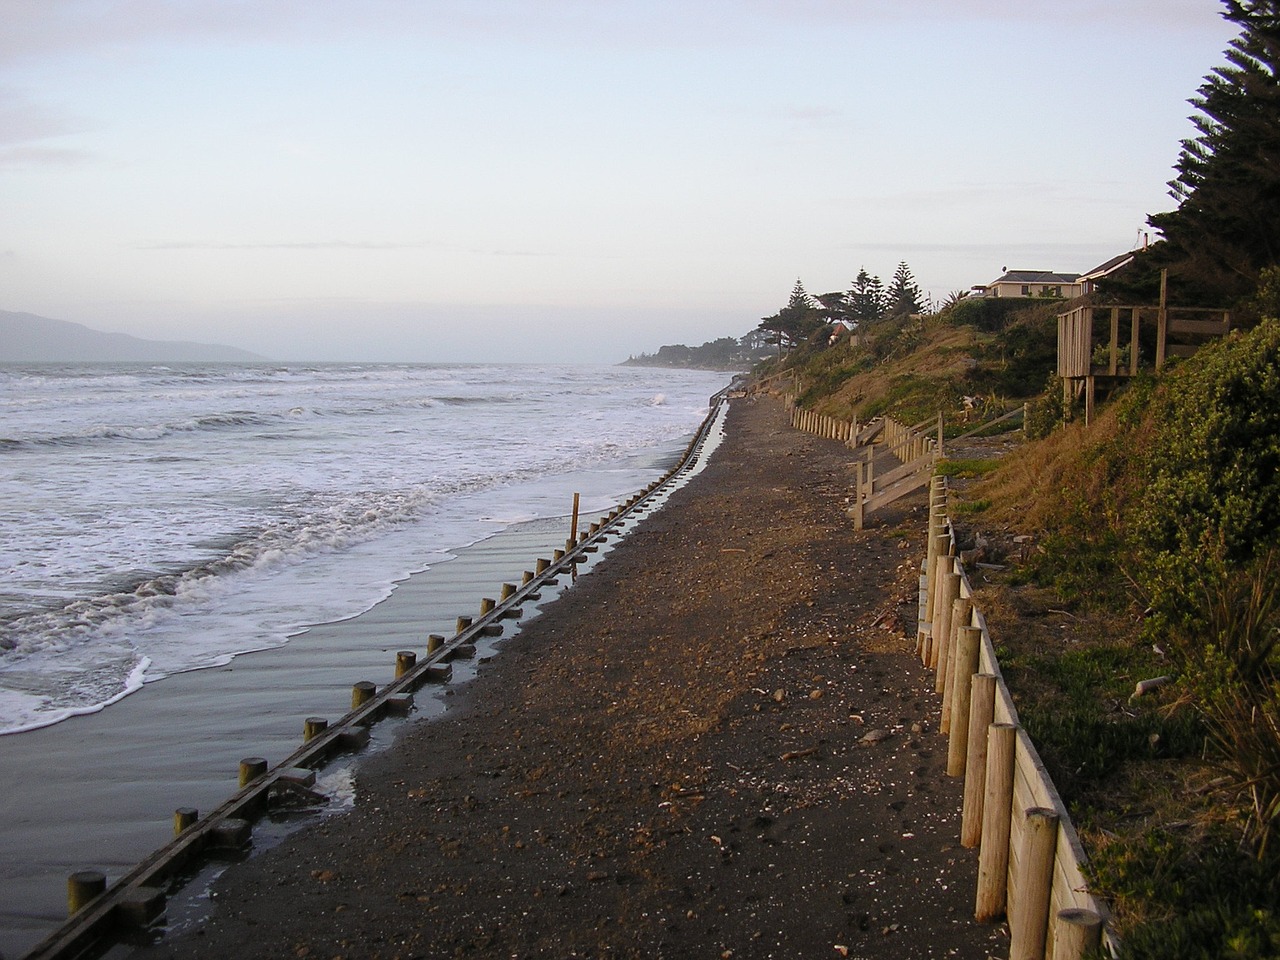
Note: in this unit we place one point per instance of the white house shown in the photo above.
(1036, 283)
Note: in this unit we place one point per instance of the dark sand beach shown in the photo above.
(718, 743)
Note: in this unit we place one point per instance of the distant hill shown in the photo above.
(25, 337)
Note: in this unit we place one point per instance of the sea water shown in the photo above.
(165, 518)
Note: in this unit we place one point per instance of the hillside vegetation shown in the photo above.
(1156, 553)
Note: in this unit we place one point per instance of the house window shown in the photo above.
(1026, 289)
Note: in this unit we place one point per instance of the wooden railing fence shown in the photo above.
(1030, 860)
(917, 450)
(1030, 864)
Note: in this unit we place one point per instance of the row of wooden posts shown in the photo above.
(137, 899)
(1030, 858)
(1030, 868)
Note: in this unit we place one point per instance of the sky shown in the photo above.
(565, 180)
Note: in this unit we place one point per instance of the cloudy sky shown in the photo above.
(565, 179)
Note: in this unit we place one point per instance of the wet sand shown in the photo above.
(719, 743)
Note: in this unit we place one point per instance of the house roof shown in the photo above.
(1037, 276)
(1111, 266)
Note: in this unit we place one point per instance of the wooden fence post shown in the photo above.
(1029, 913)
(948, 590)
(964, 664)
(958, 614)
(997, 810)
(1076, 933)
(982, 708)
(961, 616)
(859, 517)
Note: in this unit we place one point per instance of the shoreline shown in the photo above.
(671, 760)
(99, 789)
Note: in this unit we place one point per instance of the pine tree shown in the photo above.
(1226, 228)
(866, 299)
(834, 306)
(795, 322)
(904, 296)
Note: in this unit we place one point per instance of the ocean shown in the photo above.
(165, 518)
(197, 557)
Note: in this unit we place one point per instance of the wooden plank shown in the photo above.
(886, 480)
(1016, 411)
(871, 431)
(1208, 328)
(910, 485)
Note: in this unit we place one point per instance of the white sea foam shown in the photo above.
(161, 519)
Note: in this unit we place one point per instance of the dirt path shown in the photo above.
(717, 744)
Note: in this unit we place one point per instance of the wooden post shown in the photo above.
(931, 558)
(312, 727)
(540, 567)
(997, 809)
(961, 616)
(573, 525)
(464, 623)
(82, 887)
(362, 693)
(939, 449)
(1135, 319)
(558, 555)
(1076, 932)
(948, 590)
(508, 591)
(964, 666)
(486, 605)
(957, 614)
(982, 708)
(526, 578)
(405, 660)
(1162, 319)
(1029, 913)
(251, 768)
(1114, 366)
(934, 591)
(859, 517)
(184, 818)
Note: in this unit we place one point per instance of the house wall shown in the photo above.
(999, 289)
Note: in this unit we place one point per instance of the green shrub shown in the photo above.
(1202, 897)
(1207, 541)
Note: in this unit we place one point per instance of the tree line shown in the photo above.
(867, 301)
